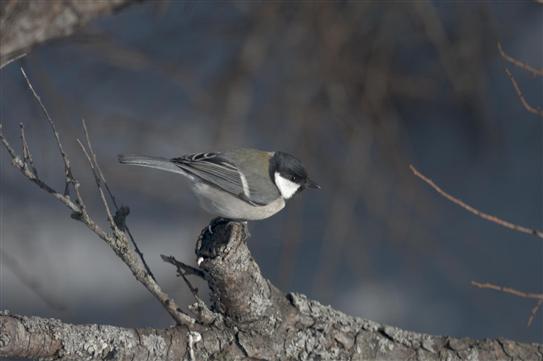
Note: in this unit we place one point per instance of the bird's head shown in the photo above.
(289, 175)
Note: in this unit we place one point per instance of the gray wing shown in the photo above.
(220, 171)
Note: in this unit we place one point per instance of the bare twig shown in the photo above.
(67, 170)
(520, 64)
(514, 292)
(478, 213)
(534, 71)
(15, 58)
(27, 155)
(525, 104)
(110, 219)
(120, 212)
(117, 241)
(534, 311)
(119, 244)
(511, 291)
(205, 315)
(8, 147)
(28, 173)
(183, 268)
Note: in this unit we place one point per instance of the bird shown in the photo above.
(243, 184)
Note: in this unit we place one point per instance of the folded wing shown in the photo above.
(216, 170)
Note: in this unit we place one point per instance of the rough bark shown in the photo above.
(24, 24)
(252, 320)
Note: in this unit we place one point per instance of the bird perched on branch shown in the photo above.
(243, 184)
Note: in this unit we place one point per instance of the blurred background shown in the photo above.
(358, 91)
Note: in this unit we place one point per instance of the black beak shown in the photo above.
(311, 184)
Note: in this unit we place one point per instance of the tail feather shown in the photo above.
(150, 162)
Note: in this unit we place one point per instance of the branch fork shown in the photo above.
(119, 236)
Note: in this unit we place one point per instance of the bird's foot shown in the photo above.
(211, 234)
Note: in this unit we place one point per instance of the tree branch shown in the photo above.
(525, 104)
(514, 292)
(257, 323)
(478, 213)
(117, 240)
(25, 24)
(252, 319)
(534, 71)
(120, 212)
(51, 339)
(530, 69)
(500, 222)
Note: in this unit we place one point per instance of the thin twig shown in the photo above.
(67, 169)
(120, 245)
(509, 290)
(183, 267)
(117, 241)
(27, 156)
(514, 292)
(534, 311)
(485, 216)
(15, 58)
(110, 219)
(528, 107)
(205, 315)
(95, 160)
(520, 64)
(8, 147)
(120, 212)
(18, 163)
(182, 271)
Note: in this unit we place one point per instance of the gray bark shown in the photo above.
(252, 320)
(24, 24)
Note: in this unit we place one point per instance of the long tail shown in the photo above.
(151, 162)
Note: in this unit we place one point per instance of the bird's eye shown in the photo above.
(293, 178)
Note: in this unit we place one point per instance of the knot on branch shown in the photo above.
(120, 217)
(238, 289)
(219, 237)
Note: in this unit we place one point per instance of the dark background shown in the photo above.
(358, 91)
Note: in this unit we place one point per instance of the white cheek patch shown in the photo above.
(286, 187)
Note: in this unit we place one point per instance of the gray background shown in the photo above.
(358, 91)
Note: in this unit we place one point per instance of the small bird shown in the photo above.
(242, 184)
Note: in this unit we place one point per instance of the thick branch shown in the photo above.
(258, 322)
(50, 339)
(238, 289)
(24, 24)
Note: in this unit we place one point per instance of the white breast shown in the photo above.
(286, 187)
